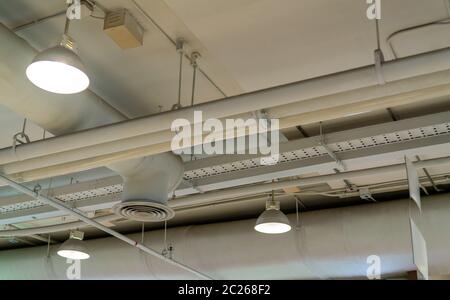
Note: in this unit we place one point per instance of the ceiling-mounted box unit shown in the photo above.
(123, 29)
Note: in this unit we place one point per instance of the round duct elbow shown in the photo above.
(147, 183)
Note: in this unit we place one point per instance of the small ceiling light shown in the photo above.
(59, 69)
(272, 220)
(74, 247)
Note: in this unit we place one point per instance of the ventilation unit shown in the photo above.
(147, 185)
(123, 29)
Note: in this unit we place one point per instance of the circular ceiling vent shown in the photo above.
(144, 211)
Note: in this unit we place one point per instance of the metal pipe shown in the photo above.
(394, 89)
(209, 197)
(160, 142)
(73, 212)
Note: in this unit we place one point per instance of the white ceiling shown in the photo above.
(246, 44)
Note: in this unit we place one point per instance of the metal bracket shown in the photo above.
(350, 187)
(195, 56)
(429, 177)
(37, 189)
(20, 138)
(193, 185)
(262, 115)
(180, 45)
(330, 152)
(168, 252)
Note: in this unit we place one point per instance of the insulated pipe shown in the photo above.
(413, 85)
(73, 212)
(323, 86)
(159, 142)
(332, 243)
(266, 187)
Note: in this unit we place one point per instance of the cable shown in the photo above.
(195, 56)
(445, 21)
(377, 26)
(24, 125)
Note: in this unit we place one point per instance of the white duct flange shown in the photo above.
(147, 184)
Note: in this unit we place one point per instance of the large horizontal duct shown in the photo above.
(64, 114)
(332, 243)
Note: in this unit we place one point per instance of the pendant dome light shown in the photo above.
(272, 220)
(74, 247)
(59, 69)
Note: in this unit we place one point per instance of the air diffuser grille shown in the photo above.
(144, 211)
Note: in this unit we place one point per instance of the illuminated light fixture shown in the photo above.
(58, 69)
(272, 220)
(74, 247)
